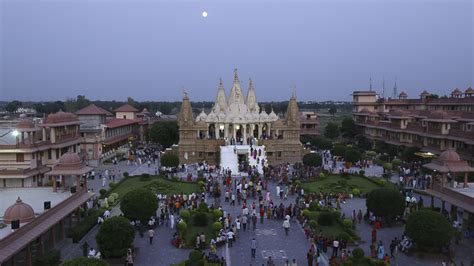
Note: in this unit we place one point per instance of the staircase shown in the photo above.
(229, 157)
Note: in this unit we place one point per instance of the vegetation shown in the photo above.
(79, 231)
(169, 160)
(429, 229)
(115, 236)
(13, 106)
(348, 128)
(312, 159)
(157, 184)
(336, 184)
(165, 133)
(139, 204)
(82, 261)
(385, 202)
(331, 131)
(351, 155)
(51, 258)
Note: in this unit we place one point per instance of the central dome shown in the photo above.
(19, 211)
(449, 156)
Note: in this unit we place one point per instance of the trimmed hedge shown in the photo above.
(79, 231)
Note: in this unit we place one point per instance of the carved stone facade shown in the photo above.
(238, 120)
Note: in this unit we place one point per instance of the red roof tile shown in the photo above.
(93, 109)
(117, 122)
(126, 108)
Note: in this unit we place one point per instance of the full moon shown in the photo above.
(204, 14)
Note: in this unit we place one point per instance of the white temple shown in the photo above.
(229, 116)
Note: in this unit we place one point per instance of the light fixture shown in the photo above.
(221, 127)
(15, 133)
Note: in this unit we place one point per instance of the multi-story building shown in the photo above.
(28, 150)
(309, 123)
(430, 123)
(103, 135)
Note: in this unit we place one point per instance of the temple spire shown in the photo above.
(383, 87)
(236, 76)
(395, 90)
(370, 84)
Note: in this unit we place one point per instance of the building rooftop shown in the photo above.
(126, 108)
(34, 197)
(117, 122)
(61, 118)
(93, 109)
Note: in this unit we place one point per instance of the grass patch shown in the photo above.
(192, 230)
(336, 184)
(158, 184)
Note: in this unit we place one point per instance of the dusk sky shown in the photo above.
(51, 50)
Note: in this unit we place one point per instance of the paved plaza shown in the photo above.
(270, 236)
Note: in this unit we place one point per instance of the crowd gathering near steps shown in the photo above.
(250, 191)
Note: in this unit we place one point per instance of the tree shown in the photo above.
(165, 108)
(82, 261)
(338, 150)
(331, 131)
(385, 202)
(312, 159)
(115, 236)
(408, 154)
(348, 128)
(352, 155)
(429, 229)
(165, 133)
(332, 110)
(321, 143)
(139, 204)
(13, 106)
(169, 160)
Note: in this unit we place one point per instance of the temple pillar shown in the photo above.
(234, 133)
(466, 185)
(259, 131)
(245, 133)
(226, 130)
(53, 178)
(29, 260)
(432, 201)
(269, 132)
(216, 131)
(63, 182)
(53, 237)
(78, 182)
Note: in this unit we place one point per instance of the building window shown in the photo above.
(49, 154)
(124, 117)
(20, 157)
(57, 154)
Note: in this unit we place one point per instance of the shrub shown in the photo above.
(322, 175)
(429, 229)
(217, 214)
(182, 226)
(217, 226)
(200, 219)
(112, 185)
(195, 255)
(51, 258)
(125, 174)
(352, 155)
(344, 237)
(371, 154)
(313, 224)
(338, 150)
(306, 213)
(82, 261)
(356, 192)
(79, 231)
(175, 179)
(325, 218)
(358, 253)
(169, 160)
(385, 202)
(387, 166)
(115, 236)
(203, 207)
(201, 183)
(114, 196)
(314, 206)
(139, 204)
(185, 214)
(102, 192)
(396, 162)
(382, 182)
(312, 159)
(347, 223)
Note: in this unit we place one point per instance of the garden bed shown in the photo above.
(343, 184)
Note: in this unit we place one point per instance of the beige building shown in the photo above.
(432, 124)
(237, 120)
(28, 150)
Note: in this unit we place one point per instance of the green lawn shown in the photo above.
(157, 183)
(192, 230)
(331, 231)
(337, 184)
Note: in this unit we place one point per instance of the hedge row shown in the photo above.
(79, 231)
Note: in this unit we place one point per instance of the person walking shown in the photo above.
(151, 234)
(335, 247)
(253, 247)
(286, 226)
(309, 257)
(270, 261)
(392, 247)
(254, 221)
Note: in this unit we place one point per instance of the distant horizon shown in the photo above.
(151, 49)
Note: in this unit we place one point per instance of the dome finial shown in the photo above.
(236, 76)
